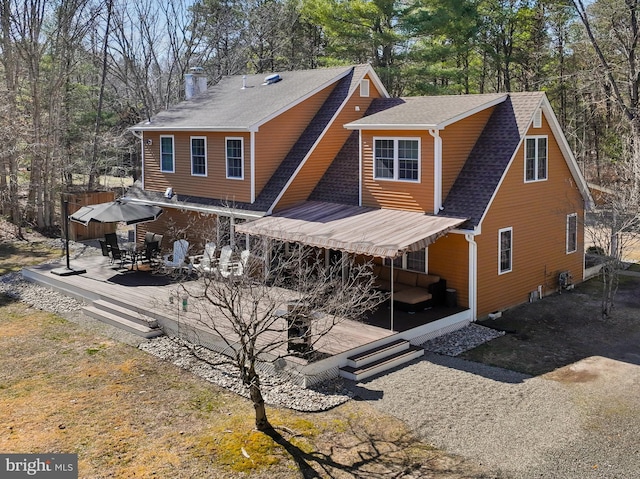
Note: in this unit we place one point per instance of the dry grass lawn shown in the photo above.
(128, 415)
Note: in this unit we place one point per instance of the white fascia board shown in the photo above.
(376, 81)
(193, 129)
(275, 114)
(237, 213)
(413, 126)
(566, 151)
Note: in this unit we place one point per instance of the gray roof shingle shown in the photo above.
(426, 111)
(473, 189)
(227, 106)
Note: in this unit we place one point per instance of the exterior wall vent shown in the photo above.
(271, 79)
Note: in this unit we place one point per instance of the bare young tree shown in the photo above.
(277, 304)
(615, 229)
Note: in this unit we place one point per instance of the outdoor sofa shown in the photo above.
(412, 291)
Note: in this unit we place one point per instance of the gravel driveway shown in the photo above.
(580, 421)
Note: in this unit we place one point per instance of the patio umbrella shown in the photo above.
(115, 212)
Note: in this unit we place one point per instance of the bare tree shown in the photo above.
(614, 229)
(254, 308)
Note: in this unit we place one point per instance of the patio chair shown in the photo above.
(228, 268)
(112, 240)
(207, 261)
(178, 262)
(119, 255)
(104, 247)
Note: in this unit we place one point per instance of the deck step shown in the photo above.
(381, 365)
(131, 313)
(380, 352)
(113, 318)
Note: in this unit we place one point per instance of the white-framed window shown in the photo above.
(199, 156)
(535, 158)
(167, 154)
(364, 88)
(414, 261)
(235, 158)
(417, 260)
(505, 250)
(572, 233)
(396, 159)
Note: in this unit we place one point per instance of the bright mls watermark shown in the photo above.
(48, 466)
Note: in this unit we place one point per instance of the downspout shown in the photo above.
(359, 167)
(252, 160)
(437, 170)
(473, 275)
(142, 160)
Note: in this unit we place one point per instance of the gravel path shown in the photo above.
(566, 424)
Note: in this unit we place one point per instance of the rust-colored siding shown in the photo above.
(276, 137)
(215, 184)
(449, 259)
(457, 141)
(173, 224)
(537, 212)
(321, 158)
(400, 195)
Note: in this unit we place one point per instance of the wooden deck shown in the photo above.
(150, 294)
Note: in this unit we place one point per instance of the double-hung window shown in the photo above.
(505, 250)
(396, 159)
(535, 158)
(572, 233)
(198, 156)
(167, 154)
(235, 158)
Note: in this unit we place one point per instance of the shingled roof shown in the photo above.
(476, 184)
(227, 106)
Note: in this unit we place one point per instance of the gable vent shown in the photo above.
(271, 79)
(537, 118)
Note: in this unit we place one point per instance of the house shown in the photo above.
(480, 190)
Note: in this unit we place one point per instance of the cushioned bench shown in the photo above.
(411, 290)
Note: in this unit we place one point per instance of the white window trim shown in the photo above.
(205, 154)
(396, 168)
(364, 88)
(536, 179)
(226, 164)
(500, 231)
(405, 261)
(173, 154)
(569, 216)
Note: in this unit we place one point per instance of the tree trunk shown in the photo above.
(255, 393)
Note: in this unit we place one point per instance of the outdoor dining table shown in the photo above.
(135, 251)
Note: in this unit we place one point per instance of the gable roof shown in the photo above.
(480, 177)
(424, 112)
(226, 106)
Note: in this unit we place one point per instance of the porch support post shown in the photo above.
(392, 294)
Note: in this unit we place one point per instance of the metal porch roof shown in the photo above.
(354, 229)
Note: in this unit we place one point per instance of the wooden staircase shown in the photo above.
(380, 359)
(124, 318)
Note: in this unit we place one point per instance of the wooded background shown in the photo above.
(74, 74)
